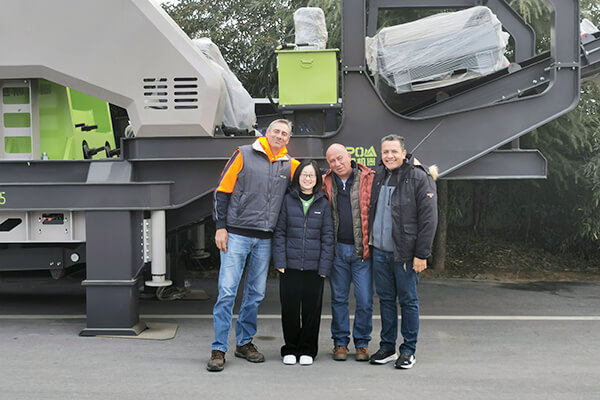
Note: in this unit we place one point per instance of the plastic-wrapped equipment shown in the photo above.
(439, 50)
(310, 27)
(587, 27)
(239, 106)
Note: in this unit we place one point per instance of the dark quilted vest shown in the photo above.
(256, 199)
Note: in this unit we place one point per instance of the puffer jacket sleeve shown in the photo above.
(278, 247)
(427, 218)
(327, 245)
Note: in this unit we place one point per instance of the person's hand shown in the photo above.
(221, 239)
(323, 276)
(282, 270)
(419, 265)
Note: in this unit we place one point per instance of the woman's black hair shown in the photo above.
(303, 164)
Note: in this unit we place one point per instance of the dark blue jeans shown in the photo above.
(396, 280)
(350, 269)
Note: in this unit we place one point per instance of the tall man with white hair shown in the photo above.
(245, 210)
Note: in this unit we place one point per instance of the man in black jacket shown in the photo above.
(403, 220)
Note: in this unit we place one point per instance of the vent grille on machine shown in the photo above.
(184, 94)
(156, 93)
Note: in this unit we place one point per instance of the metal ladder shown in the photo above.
(16, 123)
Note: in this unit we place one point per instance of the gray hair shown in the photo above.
(391, 137)
(282, 121)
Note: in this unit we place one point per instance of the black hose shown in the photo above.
(267, 87)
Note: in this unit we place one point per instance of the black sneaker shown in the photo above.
(383, 356)
(405, 361)
(249, 352)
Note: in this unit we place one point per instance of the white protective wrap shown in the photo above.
(587, 27)
(239, 106)
(439, 50)
(310, 27)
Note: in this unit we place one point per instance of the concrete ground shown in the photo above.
(478, 340)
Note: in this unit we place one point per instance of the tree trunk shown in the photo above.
(439, 244)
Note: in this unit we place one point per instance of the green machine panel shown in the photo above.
(67, 118)
(307, 76)
(15, 95)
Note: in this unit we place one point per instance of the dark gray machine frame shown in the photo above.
(178, 174)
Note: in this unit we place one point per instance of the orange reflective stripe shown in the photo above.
(230, 172)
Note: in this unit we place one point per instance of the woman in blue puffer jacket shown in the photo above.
(303, 254)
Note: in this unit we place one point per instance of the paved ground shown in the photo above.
(478, 340)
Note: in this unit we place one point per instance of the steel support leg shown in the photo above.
(114, 256)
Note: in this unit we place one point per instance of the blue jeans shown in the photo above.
(232, 266)
(348, 268)
(396, 280)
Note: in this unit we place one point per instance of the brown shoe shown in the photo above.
(362, 354)
(340, 353)
(216, 362)
(249, 352)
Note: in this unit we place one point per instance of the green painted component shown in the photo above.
(15, 95)
(307, 76)
(17, 144)
(17, 120)
(60, 110)
(90, 110)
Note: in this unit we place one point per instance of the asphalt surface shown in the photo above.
(478, 340)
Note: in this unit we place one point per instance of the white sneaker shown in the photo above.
(290, 359)
(306, 360)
